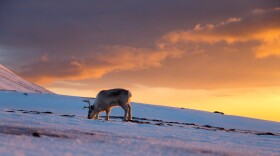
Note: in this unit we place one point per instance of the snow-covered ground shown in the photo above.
(10, 81)
(49, 124)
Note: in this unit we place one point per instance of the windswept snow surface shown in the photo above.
(48, 124)
(11, 81)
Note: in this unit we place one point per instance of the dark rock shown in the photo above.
(47, 112)
(36, 134)
(267, 133)
(217, 112)
(159, 124)
(157, 120)
(220, 128)
(207, 126)
(189, 124)
(67, 115)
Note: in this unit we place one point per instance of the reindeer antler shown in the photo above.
(87, 101)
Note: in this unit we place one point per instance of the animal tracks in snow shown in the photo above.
(155, 122)
(37, 112)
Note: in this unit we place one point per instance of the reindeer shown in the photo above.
(106, 99)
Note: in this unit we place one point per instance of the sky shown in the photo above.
(215, 55)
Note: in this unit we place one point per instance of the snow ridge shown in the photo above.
(10, 81)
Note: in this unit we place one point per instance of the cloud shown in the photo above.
(176, 44)
(70, 28)
(168, 42)
(45, 58)
(262, 11)
(95, 65)
(261, 26)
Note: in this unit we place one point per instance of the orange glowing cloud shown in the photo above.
(270, 44)
(259, 26)
(113, 59)
(203, 34)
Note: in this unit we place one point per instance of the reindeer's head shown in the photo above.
(90, 109)
(91, 112)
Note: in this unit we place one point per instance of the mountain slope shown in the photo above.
(10, 81)
(53, 124)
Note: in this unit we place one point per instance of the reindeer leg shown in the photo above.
(108, 111)
(129, 112)
(125, 108)
(125, 116)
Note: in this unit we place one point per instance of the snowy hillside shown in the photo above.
(56, 125)
(11, 81)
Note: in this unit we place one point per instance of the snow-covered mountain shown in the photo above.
(10, 81)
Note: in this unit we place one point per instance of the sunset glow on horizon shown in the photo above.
(260, 103)
(191, 54)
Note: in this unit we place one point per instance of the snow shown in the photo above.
(49, 124)
(11, 81)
